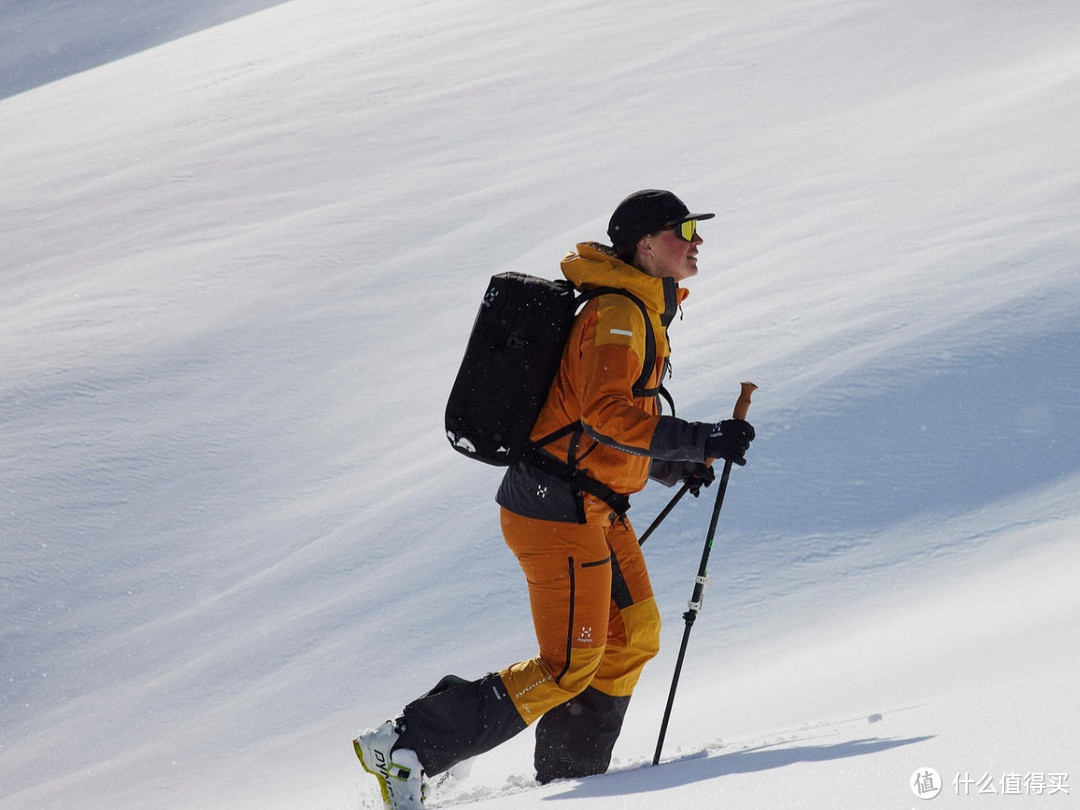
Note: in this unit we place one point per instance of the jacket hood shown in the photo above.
(595, 265)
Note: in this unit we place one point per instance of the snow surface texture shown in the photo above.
(238, 272)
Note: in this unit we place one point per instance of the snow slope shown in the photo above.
(238, 272)
(42, 45)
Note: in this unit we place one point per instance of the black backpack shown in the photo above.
(510, 361)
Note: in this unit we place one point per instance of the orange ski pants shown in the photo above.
(596, 620)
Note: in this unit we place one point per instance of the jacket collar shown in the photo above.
(595, 265)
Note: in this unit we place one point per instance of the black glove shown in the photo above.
(698, 475)
(730, 440)
(693, 473)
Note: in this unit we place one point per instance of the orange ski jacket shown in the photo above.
(602, 360)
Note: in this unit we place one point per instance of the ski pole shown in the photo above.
(741, 407)
(664, 513)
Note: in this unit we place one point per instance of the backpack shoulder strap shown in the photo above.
(638, 388)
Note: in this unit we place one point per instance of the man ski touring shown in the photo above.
(596, 621)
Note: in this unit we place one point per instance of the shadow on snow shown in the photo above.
(703, 768)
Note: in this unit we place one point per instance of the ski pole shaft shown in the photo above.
(742, 406)
(664, 513)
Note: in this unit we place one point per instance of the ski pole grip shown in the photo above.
(742, 405)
